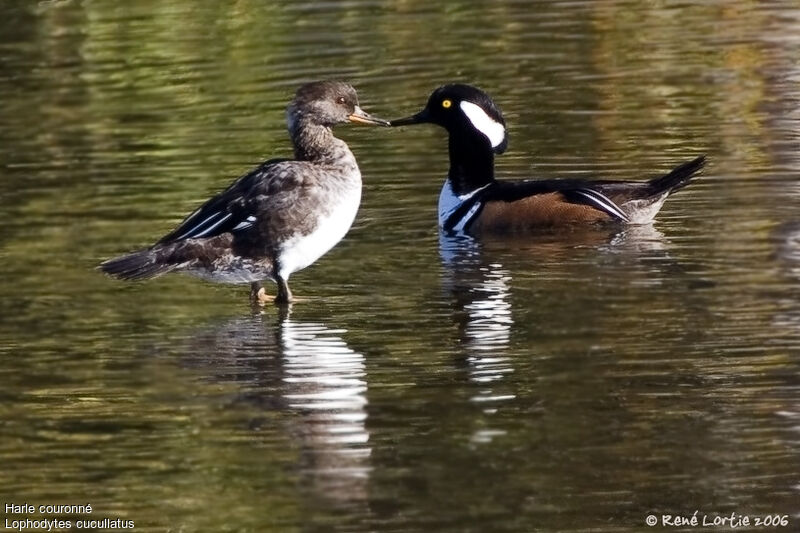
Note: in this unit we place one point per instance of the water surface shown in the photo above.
(568, 382)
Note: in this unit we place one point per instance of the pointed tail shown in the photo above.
(677, 179)
(139, 265)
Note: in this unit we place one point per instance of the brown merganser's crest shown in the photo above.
(472, 201)
(278, 218)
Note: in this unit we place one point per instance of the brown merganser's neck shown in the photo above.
(315, 142)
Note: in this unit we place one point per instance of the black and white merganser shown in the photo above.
(278, 218)
(473, 202)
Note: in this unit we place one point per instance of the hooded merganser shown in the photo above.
(278, 218)
(473, 202)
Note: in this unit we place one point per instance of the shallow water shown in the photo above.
(570, 382)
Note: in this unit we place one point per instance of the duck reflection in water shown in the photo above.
(787, 254)
(307, 369)
(482, 311)
(480, 287)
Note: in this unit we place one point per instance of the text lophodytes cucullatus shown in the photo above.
(472, 201)
(276, 219)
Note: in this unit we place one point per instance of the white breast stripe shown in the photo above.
(469, 195)
(466, 218)
(493, 130)
(449, 202)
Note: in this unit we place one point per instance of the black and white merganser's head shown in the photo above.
(461, 110)
(328, 103)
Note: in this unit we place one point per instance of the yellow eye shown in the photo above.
(446, 104)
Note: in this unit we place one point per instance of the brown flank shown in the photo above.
(526, 214)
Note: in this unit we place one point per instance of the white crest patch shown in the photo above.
(493, 130)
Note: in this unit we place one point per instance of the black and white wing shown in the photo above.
(228, 211)
(574, 190)
(597, 200)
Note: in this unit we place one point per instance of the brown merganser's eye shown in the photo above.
(340, 100)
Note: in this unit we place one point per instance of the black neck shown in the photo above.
(471, 163)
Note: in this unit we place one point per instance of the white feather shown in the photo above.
(466, 218)
(301, 251)
(643, 211)
(449, 202)
(196, 226)
(211, 228)
(604, 202)
(493, 130)
(247, 223)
